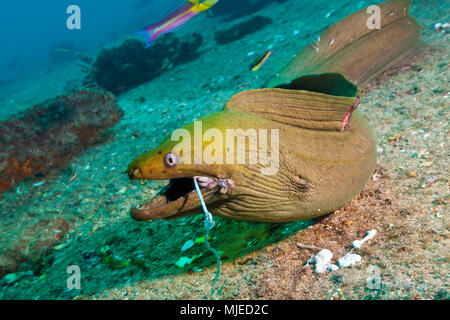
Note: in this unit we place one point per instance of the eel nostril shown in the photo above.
(134, 173)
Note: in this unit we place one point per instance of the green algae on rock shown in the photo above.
(50, 134)
(128, 65)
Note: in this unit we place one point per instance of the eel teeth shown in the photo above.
(210, 183)
(206, 182)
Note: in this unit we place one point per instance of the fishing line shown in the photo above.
(209, 224)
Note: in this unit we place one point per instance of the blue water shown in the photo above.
(30, 28)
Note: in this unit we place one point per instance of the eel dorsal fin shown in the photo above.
(353, 49)
(329, 83)
(318, 102)
(299, 108)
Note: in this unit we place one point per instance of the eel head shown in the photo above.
(179, 198)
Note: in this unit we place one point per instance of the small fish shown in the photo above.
(260, 61)
(119, 88)
(64, 50)
(176, 19)
(329, 14)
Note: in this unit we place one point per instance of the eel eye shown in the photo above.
(171, 159)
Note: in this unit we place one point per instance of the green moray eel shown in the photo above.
(319, 166)
(293, 152)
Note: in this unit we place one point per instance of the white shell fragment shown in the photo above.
(321, 261)
(332, 267)
(38, 184)
(441, 26)
(349, 260)
(323, 258)
(369, 235)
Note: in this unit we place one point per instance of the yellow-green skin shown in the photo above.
(319, 171)
(359, 53)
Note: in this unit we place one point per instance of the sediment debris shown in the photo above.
(349, 260)
(322, 260)
(441, 26)
(52, 133)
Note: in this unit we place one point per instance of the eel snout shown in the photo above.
(179, 198)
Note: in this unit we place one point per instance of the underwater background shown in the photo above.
(72, 206)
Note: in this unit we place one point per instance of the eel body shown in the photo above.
(319, 169)
(359, 53)
(305, 150)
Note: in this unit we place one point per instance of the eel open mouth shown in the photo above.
(180, 198)
(179, 188)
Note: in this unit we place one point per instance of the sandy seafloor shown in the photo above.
(80, 215)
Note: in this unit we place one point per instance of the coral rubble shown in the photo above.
(50, 134)
(121, 68)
